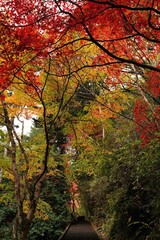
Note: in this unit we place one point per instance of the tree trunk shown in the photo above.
(15, 228)
(1, 175)
(20, 230)
(24, 230)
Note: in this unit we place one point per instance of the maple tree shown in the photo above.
(131, 49)
(43, 95)
(29, 94)
(53, 50)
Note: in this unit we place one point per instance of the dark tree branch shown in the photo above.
(123, 60)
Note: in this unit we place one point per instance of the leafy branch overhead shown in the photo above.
(87, 72)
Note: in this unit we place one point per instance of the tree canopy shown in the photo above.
(88, 72)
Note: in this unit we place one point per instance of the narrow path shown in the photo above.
(81, 231)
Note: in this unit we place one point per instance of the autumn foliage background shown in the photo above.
(87, 73)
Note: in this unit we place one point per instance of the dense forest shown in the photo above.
(85, 75)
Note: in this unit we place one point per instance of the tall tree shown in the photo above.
(48, 52)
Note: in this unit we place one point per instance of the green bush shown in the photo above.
(6, 217)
